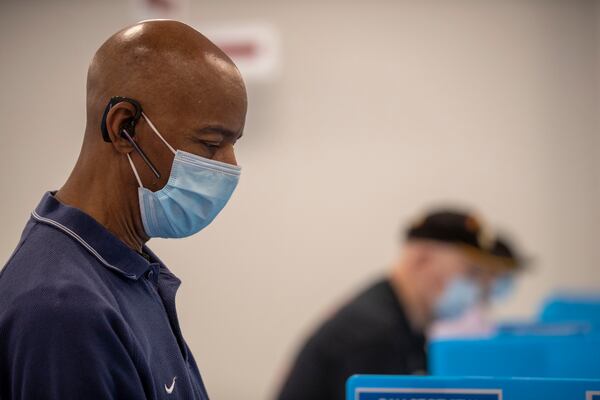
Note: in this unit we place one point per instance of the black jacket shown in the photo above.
(369, 335)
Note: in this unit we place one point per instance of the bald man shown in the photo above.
(87, 311)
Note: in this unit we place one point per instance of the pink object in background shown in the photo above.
(474, 323)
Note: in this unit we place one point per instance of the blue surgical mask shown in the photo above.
(460, 295)
(197, 190)
(502, 287)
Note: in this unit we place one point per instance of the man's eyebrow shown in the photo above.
(220, 130)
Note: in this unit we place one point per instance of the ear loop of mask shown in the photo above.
(158, 133)
(137, 176)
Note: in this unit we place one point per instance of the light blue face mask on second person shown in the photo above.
(197, 190)
(502, 287)
(459, 296)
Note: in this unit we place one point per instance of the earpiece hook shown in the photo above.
(129, 131)
(115, 100)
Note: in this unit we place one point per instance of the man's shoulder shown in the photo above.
(366, 318)
(44, 244)
(373, 306)
(43, 255)
(55, 308)
(49, 273)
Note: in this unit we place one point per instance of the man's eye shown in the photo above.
(212, 146)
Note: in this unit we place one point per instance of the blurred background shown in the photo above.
(361, 115)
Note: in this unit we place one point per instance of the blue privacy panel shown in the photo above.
(572, 308)
(511, 355)
(389, 387)
(413, 394)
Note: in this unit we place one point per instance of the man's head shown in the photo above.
(189, 96)
(448, 264)
(188, 87)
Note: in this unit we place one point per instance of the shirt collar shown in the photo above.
(95, 238)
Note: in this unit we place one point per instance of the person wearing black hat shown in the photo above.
(447, 264)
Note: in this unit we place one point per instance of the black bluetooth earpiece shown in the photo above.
(129, 124)
(127, 129)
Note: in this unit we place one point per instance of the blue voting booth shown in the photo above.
(509, 355)
(554, 358)
(574, 308)
(564, 343)
(376, 387)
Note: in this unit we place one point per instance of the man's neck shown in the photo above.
(111, 208)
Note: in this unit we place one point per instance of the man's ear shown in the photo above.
(120, 117)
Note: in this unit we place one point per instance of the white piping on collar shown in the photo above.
(82, 242)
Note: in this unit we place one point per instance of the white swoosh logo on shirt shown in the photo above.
(169, 389)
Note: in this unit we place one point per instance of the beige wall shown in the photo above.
(382, 108)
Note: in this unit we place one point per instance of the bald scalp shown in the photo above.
(161, 63)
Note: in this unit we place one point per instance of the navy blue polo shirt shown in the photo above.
(83, 316)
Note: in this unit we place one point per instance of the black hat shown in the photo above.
(466, 230)
(454, 227)
(505, 253)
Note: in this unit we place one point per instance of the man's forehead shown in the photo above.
(208, 111)
(211, 104)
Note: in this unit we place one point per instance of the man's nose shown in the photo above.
(226, 154)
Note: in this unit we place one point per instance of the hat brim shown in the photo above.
(494, 262)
